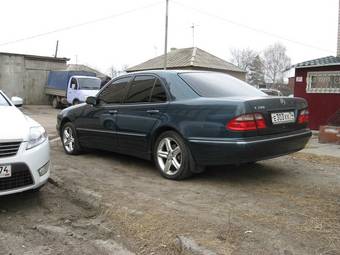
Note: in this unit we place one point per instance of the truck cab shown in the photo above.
(66, 88)
(81, 87)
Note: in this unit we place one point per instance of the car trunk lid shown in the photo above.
(277, 112)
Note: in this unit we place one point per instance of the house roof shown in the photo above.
(36, 57)
(187, 57)
(76, 67)
(326, 61)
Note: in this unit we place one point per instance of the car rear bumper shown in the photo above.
(221, 151)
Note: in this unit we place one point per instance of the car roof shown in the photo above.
(157, 71)
(84, 76)
(165, 73)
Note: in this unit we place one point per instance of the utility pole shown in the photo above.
(166, 35)
(193, 33)
(56, 49)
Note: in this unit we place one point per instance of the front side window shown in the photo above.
(212, 84)
(73, 84)
(3, 101)
(114, 92)
(158, 93)
(140, 89)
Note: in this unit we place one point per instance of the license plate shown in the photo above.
(5, 171)
(283, 117)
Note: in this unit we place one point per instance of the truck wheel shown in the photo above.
(76, 101)
(55, 103)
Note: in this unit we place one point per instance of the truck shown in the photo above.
(66, 88)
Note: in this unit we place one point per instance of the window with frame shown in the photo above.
(74, 83)
(323, 82)
(158, 93)
(114, 92)
(140, 89)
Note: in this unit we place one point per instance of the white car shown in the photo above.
(24, 149)
(272, 92)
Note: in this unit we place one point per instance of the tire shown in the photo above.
(69, 139)
(173, 157)
(76, 101)
(55, 103)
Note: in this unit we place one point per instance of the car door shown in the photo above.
(143, 106)
(71, 91)
(97, 125)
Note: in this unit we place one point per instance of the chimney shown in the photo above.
(338, 49)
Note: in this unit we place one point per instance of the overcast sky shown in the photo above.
(135, 32)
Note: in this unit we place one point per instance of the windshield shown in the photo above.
(212, 84)
(89, 83)
(3, 101)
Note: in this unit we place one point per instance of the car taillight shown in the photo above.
(247, 122)
(303, 117)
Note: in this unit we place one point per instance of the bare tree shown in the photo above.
(113, 72)
(125, 67)
(243, 57)
(276, 62)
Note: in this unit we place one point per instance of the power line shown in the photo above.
(251, 28)
(80, 24)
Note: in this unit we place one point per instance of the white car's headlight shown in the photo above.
(37, 136)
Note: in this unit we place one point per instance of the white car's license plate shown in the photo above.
(5, 171)
(283, 117)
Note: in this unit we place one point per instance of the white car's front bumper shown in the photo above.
(28, 160)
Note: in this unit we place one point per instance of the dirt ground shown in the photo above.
(105, 203)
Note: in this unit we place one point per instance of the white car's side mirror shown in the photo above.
(17, 101)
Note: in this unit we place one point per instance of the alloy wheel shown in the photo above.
(169, 156)
(68, 139)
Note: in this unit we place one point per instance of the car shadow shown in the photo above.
(19, 201)
(246, 173)
(260, 171)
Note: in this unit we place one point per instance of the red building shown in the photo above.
(318, 81)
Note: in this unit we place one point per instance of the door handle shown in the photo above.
(113, 111)
(152, 111)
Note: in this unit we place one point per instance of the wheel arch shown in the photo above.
(62, 123)
(75, 99)
(158, 131)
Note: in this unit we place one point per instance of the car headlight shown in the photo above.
(37, 136)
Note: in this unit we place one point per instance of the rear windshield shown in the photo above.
(3, 101)
(210, 84)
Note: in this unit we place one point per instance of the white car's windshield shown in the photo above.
(3, 101)
(89, 83)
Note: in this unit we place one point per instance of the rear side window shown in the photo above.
(158, 93)
(210, 84)
(140, 89)
(115, 92)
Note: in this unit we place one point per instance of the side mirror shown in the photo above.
(17, 101)
(91, 101)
